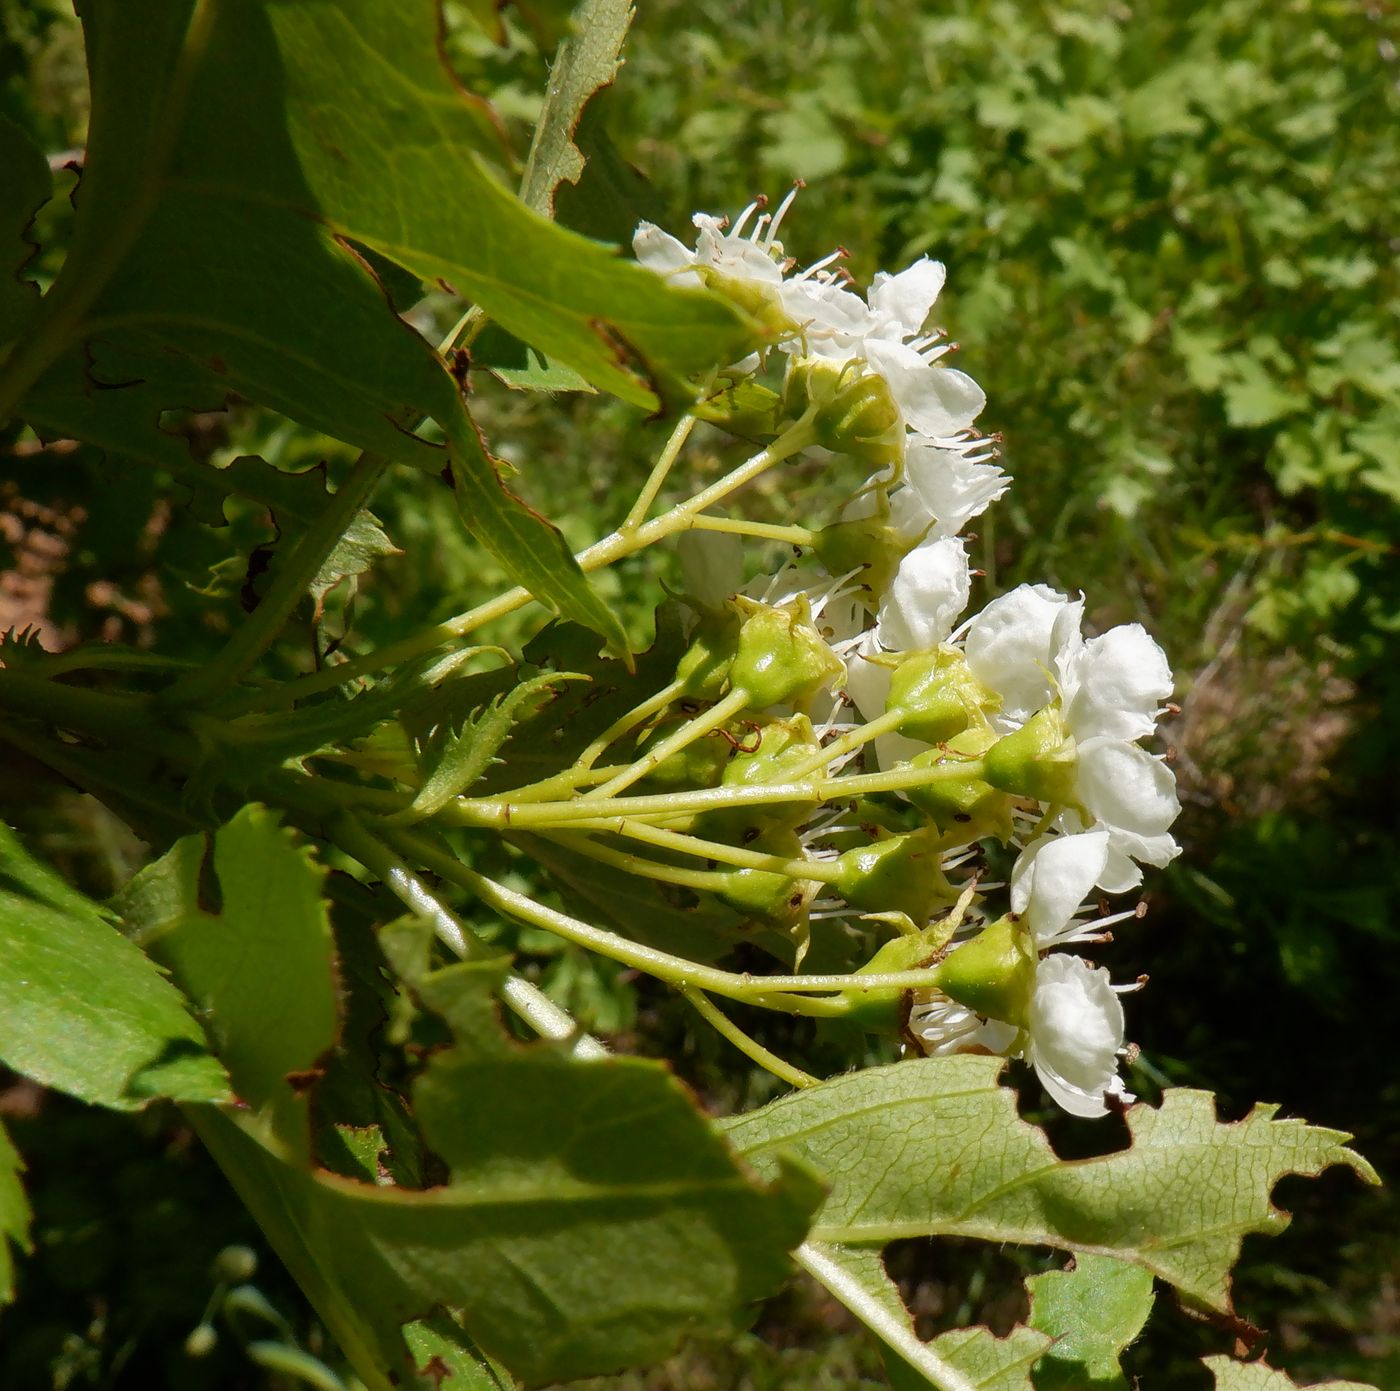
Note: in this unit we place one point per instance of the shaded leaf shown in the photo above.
(25, 185)
(361, 544)
(587, 58)
(972, 1359)
(81, 1008)
(1093, 1309)
(1178, 1202)
(15, 1217)
(592, 1217)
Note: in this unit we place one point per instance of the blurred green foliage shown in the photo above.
(1171, 234)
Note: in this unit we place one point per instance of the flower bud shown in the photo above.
(868, 544)
(938, 695)
(769, 750)
(780, 658)
(993, 973)
(764, 895)
(883, 1010)
(1038, 760)
(968, 805)
(704, 667)
(898, 874)
(854, 413)
(698, 764)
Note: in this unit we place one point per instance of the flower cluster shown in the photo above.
(965, 737)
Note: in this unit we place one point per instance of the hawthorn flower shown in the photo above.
(1106, 693)
(1051, 879)
(1074, 1035)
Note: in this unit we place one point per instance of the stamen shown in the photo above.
(782, 210)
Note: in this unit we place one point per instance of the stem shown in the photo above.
(292, 579)
(765, 531)
(651, 706)
(676, 970)
(525, 999)
(745, 1043)
(824, 871)
(714, 718)
(881, 1320)
(498, 814)
(851, 740)
(659, 471)
(602, 553)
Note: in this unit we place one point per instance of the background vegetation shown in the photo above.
(1171, 232)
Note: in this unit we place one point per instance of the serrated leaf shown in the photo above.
(593, 1216)
(277, 304)
(239, 919)
(1257, 1376)
(968, 1359)
(587, 59)
(361, 544)
(534, 551)
(460, 757)
(25, 185)
(935, 1147)
(81, 1008)
(15, 1216)
(1093, 1309)
(621, 327)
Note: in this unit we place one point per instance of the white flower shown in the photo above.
(1027, 646)
(1075, 1035)
(1051, 879)
(755, 258)
(930, 589)
(943, 1026)
(943, 490)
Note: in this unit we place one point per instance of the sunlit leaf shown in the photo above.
(15, 1216)
(935, 1147)
(1093, 1310)
(1256, 1376)
(81, 1008)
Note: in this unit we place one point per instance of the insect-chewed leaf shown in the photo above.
(1257, 1376)
(592, 1216)
(935, 1147)
(239, 919)
(24, 186)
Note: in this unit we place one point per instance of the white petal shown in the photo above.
(660, 251)
(867, 682)
(1121, 680)
(929, 591)
(1128, 790)
(833, 321)
(935, 401)
(1076, 1030)
(904, 300)
(1051, 879)
(952, 489)
(1008, 648)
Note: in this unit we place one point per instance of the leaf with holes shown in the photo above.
(1257, 1376)
(1093, 1309)
(935, 1147)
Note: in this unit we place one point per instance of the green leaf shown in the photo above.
(588, 58)
(1256, 1376)
(81, 1009)
(984, 1362)
(239, 919)
(592, 1217)
(396, 171)
(15, 1217)
(25, 185)
(534, 552)
(1178, 1202)
(1093, 1309)
(361, 544)
(277, 304)
(458, 758)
